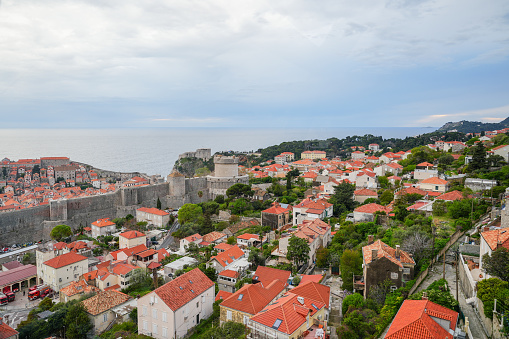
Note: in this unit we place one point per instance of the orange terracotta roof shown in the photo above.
(78, 287)
(193, 237)
(123, 269)
(266, 275)
(434, 181)
(103, 222)
(384, 250)
(414, 320)
(411, 190)
(291, 311)
(65, 259)
(305, 278)
(276, 209)
(223, 246)
(372, 208)
(364, 192)
(222, 295)
(252, 299)
(153, 211)
(451, 196)
(227, 257)
(104, 301)
(213, 236)
(132, 234)
(248, 236)
(313, 290)
(229, 274)
(184, 288)
(6, 331)
(496, 238)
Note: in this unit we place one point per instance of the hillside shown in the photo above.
(473, 126)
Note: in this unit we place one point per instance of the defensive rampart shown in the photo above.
(34, 224)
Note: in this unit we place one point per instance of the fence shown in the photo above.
(424, 273)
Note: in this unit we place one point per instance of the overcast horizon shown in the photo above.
(118, 64)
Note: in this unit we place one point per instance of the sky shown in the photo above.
(222, 63)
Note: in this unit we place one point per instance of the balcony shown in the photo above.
(358, 283)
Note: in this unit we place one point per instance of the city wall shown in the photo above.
(34, 224)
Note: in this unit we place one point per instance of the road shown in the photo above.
(450, 275)
(169, 241)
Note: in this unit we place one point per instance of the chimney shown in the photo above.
(374, 254)
(371, 239)
(424, 296)
(398, 252)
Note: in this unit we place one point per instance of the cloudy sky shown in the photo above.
(154, 63)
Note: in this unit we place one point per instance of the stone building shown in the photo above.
(276, 216)
(226, 174)
(382, 262)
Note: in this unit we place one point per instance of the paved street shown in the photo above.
(450, 275)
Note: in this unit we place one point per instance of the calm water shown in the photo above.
(154, 151)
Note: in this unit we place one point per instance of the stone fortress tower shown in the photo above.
(226, 174)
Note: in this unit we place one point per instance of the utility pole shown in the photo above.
(457, 263)
(443, 275)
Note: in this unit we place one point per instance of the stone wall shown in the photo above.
(34, 224)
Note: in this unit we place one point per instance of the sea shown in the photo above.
(155, 150)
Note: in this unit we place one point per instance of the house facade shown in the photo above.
(173, 309)
(62, 270)
(103, 227)
(153, 216)
(131, 239)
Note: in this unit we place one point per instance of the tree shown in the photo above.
(289, 177)
(158, 203)
(478, 158)
(322, 256)
(355, 300)
(298, 250)
(351, 263)
(29, 258)
(446, 159)
(189, 213)
(219, 199)
(77, 322)
(239, 190)
(386, 197)
(60, 232)
(231, 240)
(380, 291)
(498, 263)
(343, 198)
(418, 245)
(255, 258)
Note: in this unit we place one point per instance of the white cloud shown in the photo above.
(242, 51)
(488, 115)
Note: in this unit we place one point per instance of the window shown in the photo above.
(164, 318)
(277, 323)
(240, 296)
(154, 328)
(154, 313)
(228, 315)
(165, 332)
(145, 325)
(144, 310)
(197, 304)
(107, 284)
(105, 317)
(246, 319)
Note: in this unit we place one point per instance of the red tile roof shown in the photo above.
(153, 211)
(17, 274)
(6, 331)
(229, 273)
(104, 301)
(132, 234)
(184, 288)
(193, 237)
(276, 209)
(222, 295)
(365, 192)
(123, 269)
(78, 287)
(103, 222)
(414, 320)
(497, 238)
(372, 208)
(411, 190)
(12, 265)
(227, 257)
(213, 236)
(291, 310)
(253, 298)
(223, 246)
(65, 259)
(434, 181)
(386, 251)
(249, 236)
(314, 291)
(266, 275)
(451, 196)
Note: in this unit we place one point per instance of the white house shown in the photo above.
(173, 309)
